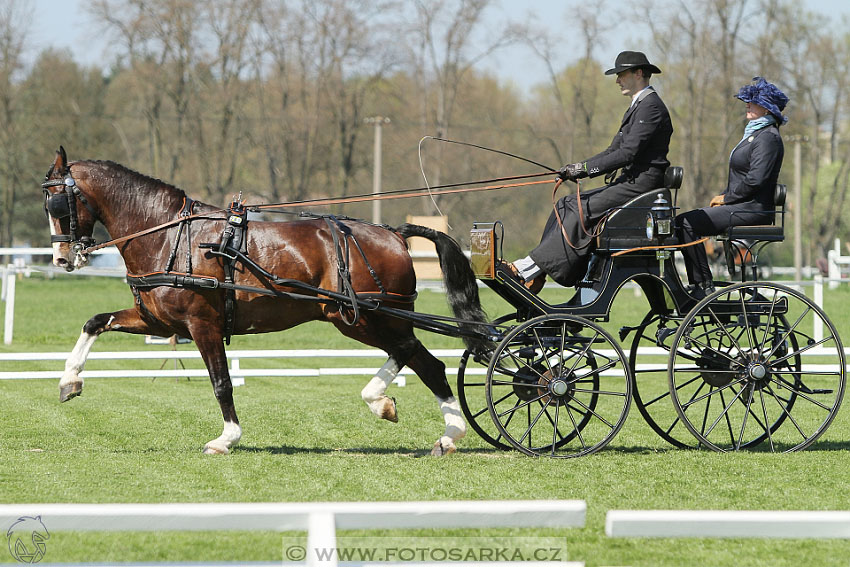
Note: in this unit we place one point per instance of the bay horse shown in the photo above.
(142, 214)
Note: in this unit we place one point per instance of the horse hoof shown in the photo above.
(71, 390)
(441, 450)
(210, 449)
(389, 411)
(384, 407)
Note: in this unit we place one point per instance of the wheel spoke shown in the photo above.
(555, 432)
(787, 413)
(533, 423)
(724, 413)
(596, 415)
(746, 415)
(714, 391)
(768, 325)
(764, 413)
(522, 405)
(601, 392)
(800, 393)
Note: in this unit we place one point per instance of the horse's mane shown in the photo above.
(134, 178)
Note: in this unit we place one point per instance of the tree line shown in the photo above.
(271, 98)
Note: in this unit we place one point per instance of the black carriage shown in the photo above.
(752, 364)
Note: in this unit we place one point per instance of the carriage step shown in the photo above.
(758, 307)
(806, 390)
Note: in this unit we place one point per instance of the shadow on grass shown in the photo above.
(399, 451)
(409, 452)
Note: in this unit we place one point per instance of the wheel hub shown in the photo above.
(758, 374)
(558, 388)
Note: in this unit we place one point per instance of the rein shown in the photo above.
(155, 229)
(408, 193)
(592, 235)
(400, 194)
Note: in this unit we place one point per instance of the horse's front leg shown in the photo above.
(211, 347)
(128, 321)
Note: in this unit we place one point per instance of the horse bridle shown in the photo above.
(63, 204)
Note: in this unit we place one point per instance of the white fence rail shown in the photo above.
(320, 520)
(238, 374)
(792, 524)
(234, 356)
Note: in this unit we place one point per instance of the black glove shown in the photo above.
(572, 171)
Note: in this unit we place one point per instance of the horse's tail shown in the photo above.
(461, 286)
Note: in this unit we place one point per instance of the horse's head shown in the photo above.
(71, 226)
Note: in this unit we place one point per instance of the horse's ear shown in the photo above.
(61, 162)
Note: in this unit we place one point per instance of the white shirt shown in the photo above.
(637, 94)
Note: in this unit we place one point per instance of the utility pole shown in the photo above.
(378, 121)
(798, 208)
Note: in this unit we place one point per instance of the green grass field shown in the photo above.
(311, 439)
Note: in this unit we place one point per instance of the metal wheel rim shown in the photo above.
(815, 393)
(586, 427)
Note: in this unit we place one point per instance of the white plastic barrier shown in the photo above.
(728, 524)
(320, 520)
(835, 261)
(234, 356)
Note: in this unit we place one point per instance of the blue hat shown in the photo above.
(766, 95)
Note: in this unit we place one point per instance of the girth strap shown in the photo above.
(345, 286)
(234, 238)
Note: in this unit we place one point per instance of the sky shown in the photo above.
(63, 24)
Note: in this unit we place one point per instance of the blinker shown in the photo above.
(57, 206)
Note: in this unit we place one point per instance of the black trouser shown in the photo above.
(710, 221)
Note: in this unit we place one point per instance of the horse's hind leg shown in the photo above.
(397, 339)
(128, 321)
(432, 372)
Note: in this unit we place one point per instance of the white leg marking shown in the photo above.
(373, 393)
(230, 436)
(455, 427)
(77, 359)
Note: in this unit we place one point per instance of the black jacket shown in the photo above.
(640, 148)
(754, 169)
(641, 142)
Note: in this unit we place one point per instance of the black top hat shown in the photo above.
(631, 60)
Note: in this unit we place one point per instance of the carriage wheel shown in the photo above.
(473, 398)
(558, 386)
(649, 387)
(748, 356)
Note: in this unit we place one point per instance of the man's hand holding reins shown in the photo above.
(573, 171)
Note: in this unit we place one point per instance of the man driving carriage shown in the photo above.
(638, 150)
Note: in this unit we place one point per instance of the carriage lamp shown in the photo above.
(659, 221)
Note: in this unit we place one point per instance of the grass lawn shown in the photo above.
(311, 439)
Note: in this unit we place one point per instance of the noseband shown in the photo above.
(64, 205)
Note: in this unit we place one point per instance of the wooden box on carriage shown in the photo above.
(482, 250)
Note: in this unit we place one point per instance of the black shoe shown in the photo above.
(700, 290)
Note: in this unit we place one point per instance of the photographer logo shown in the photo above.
(26, 539)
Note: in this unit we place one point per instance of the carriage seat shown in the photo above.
(767, 232)
(625, 227)
(743, 244)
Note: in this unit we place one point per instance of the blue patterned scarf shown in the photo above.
(758, 124)
(754, 126)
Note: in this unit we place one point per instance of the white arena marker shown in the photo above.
(728, 524)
